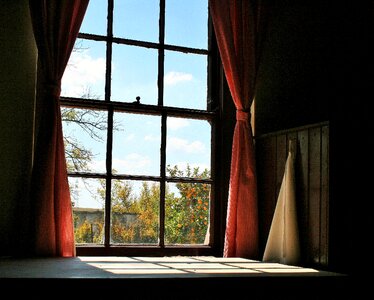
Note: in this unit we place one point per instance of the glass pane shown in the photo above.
(84, 76)
(135, 212)
(187, 213)
(85, 133)
(95, 18)
(188, 148)
(136, 19)
(185, 80)
(136, 144)
(88, 196)
(186, 23)
(134, 73)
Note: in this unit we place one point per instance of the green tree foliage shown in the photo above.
(123, 200)
(148, 213)
(125, 206)
(89, 231)
(135, 214)
(186, 210)
(187, 214)
(135, 218)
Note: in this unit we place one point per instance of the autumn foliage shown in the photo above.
(135, 214)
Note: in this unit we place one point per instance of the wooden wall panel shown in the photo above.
(266, 173)
(324, 196)
(281, 156)
(314, 195)
(312, 186)
(302, 187)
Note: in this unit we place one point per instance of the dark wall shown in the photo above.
(18, 57)
(294, 68)
(351, 140)
(312, 187)
(317, 66)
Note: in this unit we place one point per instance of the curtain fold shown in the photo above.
(282, 245)
(234, 23)
(56, 25)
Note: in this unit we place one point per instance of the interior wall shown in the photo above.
(18, 57)
(316, 66)
(292, 79)
(312, 186)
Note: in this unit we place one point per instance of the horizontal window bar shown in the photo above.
(141, 177)
(189, 180)
(136, 177)
(114, 176)
(143, 44)
(146, 250)
(137, 108)
(87, 175)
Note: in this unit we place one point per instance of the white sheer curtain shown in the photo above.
(283, 241)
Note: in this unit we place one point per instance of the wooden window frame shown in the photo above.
(217, 91)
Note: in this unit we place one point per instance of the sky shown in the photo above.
(136, 143)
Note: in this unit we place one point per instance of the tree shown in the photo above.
(187, 215)
(124, 208)
(186, 212)
(148, 213)
(135, 219)
(93, 123)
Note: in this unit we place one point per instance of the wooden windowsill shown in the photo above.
(153, 276)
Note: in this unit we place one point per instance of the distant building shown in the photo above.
(95, 216)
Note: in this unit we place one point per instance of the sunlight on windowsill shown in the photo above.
(190, 265)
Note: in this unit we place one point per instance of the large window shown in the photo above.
(140, 128)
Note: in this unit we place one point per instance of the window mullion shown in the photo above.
(163, 179)
(108, 185)
(161, 53)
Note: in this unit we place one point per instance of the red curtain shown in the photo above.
(235, 28)
(56, 25)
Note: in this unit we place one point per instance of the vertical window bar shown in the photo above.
(161, 54)
(212, 105)
(213, 175)
(108, 73)
(163, 179)
(108, 185)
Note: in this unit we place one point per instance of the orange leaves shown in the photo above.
(191, 193)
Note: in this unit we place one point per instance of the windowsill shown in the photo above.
(206, 273)
(173, 266)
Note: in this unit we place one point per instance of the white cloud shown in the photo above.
(98, 165)
(132, 163)
(152, 138)
(82, 72)
(176, 123)
(178, 144)
(130, 137)
(173, 78)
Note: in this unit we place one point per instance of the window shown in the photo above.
(140, 121)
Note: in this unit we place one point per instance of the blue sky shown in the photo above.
(137, 142)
